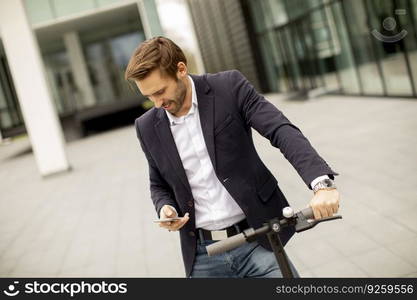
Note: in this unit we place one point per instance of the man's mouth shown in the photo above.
(167, 105)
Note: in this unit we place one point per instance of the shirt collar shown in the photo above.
(173, 120)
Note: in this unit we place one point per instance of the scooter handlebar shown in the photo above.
(239, 239)
(226, 245)
(308, 212)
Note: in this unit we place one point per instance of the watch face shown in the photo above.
(328, 182)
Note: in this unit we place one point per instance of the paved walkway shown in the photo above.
(96, 221)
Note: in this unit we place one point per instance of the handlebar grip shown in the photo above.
(226, 245)
(308, 213)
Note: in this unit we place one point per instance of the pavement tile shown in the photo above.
(338, 268)
(97, 219)
(382, 263)
(406, 249)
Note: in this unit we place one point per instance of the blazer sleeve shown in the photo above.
(271, 123)
(161, 193)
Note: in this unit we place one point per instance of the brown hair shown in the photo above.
(158, 52)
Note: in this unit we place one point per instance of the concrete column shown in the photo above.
(79, 70)
(29, 78)
(181, 31)
(149, 18)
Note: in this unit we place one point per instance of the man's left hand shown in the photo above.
(325, 203)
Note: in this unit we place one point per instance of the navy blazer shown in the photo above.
(229, 107)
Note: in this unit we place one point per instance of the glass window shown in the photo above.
(385, 31)
(296, 8)
(413, 12)
(63, 87)
(107, 59)
(266, 56)
(279, 15)
(413, 4)
(309, 42)
(226, 53)
(288, 43)
(301, 55)
(10, 115)
(259, 20)
(280, 71)
(5, 120)
(405, 17)
(101, 67)
(122, 48)
(276, 63)
(328, 47)
(344, 60)
(267, 13)
(362, 47)
(288, 76)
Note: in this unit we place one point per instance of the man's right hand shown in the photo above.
(167, 211)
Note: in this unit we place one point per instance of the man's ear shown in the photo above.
(181, 69)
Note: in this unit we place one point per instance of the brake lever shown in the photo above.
(305, 224)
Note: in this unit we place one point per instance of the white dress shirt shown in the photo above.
(215, 208)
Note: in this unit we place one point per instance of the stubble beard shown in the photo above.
(179, 98)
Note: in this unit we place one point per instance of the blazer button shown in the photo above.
(190, 203)
(191, 233)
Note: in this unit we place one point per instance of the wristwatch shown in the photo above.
(326, 184)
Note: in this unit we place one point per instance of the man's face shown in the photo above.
(163, 90)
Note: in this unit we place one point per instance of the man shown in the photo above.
(203, 164)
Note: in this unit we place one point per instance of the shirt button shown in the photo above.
(191, 233)
(190, 203)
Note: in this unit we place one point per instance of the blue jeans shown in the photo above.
(248, 260)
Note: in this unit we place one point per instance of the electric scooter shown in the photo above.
(302, 220)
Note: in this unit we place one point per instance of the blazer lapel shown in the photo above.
(206, 111)
(205, 101)
(169, 147)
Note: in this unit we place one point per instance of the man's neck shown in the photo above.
(187, 101)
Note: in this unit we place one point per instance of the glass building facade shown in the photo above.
(106, 39)
(106, 54)
(357, 47)
(85, 47)
(10, 115)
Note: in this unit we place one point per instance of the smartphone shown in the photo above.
(166, 220)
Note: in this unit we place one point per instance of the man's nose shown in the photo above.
(158, 101)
